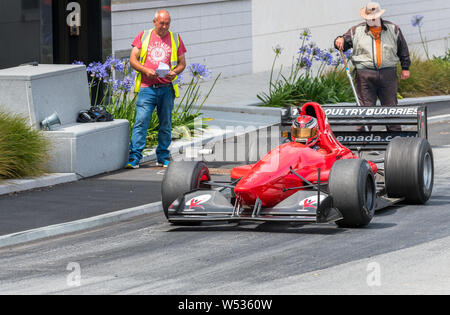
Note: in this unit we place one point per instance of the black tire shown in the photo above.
(409, 170)
(353, 188)
(180, 178)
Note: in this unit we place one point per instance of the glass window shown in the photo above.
(25, 32)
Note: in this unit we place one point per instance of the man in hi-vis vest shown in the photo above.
(158, 56)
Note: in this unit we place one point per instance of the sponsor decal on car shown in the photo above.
(196, 202)
(371, 111)
(371, 137)
(309, 203)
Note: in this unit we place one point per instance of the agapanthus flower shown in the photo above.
(114, 64)
(97, 70)
(326, 57)
(348, 54)
(199, 70)
(120, 86)
(305, 34)
(277, 50)
(180, 80)
(316, 53)
(305, 62)
(77, 62)
(304, 50)
(417, 20)
(337, 60)
(128, 83)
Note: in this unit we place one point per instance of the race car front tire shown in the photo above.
(181, 178)
(409, 170)
(353, 188)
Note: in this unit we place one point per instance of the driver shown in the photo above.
(305, 130)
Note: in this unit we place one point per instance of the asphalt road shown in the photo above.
(404, 250)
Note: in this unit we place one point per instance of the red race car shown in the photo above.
(311, 178)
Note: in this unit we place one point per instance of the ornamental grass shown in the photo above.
(23, 150)
(429, 77)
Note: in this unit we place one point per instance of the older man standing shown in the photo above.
(158, 55)
(378, 46)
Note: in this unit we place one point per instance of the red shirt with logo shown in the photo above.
(159, 50)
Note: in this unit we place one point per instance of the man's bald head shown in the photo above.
(162, 22)
(163, 14)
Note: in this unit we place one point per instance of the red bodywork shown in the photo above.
(268, 178)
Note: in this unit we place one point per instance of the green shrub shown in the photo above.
(329, 84)
(428, 78)
(329, 88)
(23, 150)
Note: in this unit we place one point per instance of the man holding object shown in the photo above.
(151, 50)
(378, 46)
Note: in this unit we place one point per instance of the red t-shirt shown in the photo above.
(159, 50)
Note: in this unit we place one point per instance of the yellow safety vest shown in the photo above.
(173, 59)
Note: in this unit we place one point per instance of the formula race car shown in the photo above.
(310, 178)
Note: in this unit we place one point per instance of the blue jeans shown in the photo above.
(149, 98)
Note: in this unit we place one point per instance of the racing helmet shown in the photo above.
(305, 129)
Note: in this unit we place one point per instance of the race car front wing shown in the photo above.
(305, 206)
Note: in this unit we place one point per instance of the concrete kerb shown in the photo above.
(18, 185)
(77, 226)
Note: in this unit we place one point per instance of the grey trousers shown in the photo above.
(381, 84)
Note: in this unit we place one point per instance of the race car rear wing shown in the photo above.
(345, 119)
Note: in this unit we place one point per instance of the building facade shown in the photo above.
(233, 37)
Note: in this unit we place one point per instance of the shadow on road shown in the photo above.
(286, 228)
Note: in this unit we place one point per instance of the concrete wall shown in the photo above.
(237, 36)
(216, 33)
(280, 23)
(436, 23)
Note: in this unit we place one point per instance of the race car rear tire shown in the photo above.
(353, 188)
(409, 170)
(180, 178)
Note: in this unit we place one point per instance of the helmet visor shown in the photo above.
(303, 133)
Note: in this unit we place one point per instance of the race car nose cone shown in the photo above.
(250, 191)
(247, 196)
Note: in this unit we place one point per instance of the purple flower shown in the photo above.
(317, 53)
(338, 60)
(326, 57)
(417, 20)
(304, 50)
(114, 64)
(97, 70)
(120, 86)
(128, 83)
(200, 71)
(348, 54)
(180, 80)
(305, 62)
(305, 34)
(77, 62)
